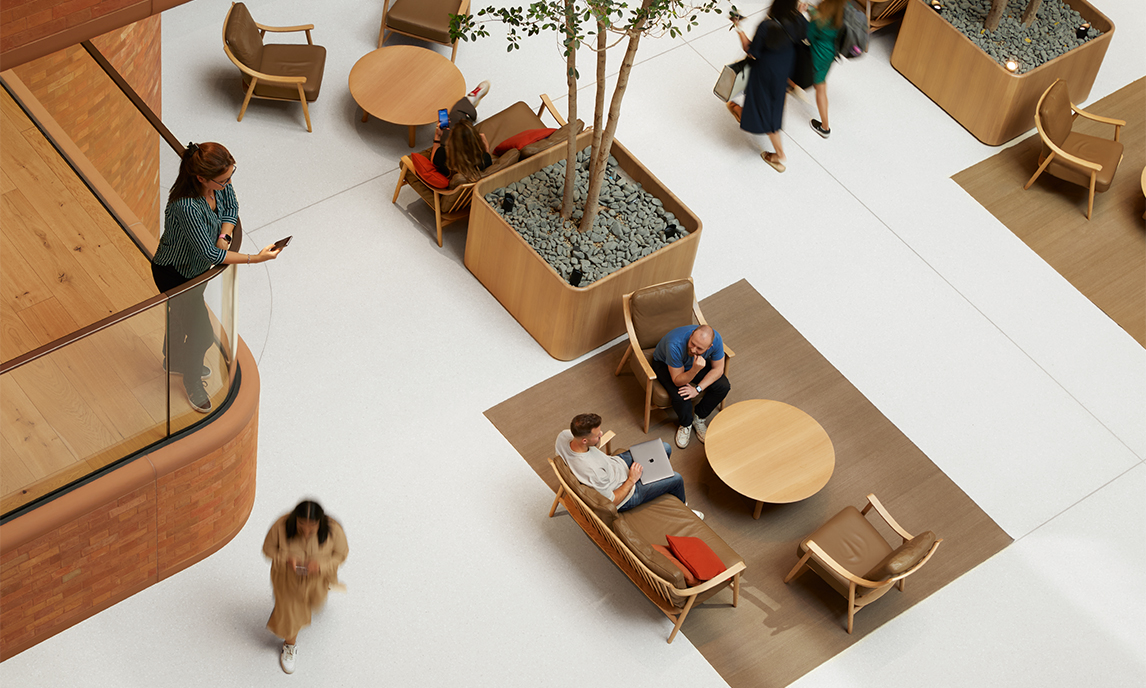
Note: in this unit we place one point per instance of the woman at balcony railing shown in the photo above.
(200, 217)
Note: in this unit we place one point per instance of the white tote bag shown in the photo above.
(733, 80)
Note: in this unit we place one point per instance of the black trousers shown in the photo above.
(190, 325)
(713, 394)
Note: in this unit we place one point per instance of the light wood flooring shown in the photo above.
(65, 264)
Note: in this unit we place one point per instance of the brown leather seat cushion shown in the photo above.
(514, 119)
(243, 37)
(852, 541)
(1105, 152)
(903, 557)
(429, 19)
(291, 60)
(604, 508)
(658, 309)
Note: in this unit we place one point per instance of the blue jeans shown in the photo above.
(673, 485)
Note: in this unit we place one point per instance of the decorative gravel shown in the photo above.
(631, 224)
(1051, 34)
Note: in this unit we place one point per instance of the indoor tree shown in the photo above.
(609, 23)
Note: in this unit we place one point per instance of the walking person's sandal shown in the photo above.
(774, 160)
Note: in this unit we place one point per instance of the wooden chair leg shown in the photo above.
(648, 403)
(797, 570)
(851, 605)
(1039, 171)
(455, 54)
(1090, 201)
(382, 33)
(438, 217)
(680, 619)
(736, 590)
(305, 109)
(624, 360)
(247, 99)
(557, 500)
(401, 183)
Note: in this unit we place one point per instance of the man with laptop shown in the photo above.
(632, 477)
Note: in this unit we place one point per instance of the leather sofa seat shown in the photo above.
(854, 543)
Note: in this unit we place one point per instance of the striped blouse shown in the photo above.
(190, 230)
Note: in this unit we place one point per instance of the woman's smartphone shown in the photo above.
(443, 119)
(282, 243)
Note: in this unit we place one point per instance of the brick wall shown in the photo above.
(100, 119)
(25, 21)
(129, 529)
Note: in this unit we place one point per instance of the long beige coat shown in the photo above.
(297, 596)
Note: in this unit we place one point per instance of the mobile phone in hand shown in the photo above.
(443, 119)
(300, 569)
(282, 243)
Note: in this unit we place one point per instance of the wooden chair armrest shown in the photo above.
(1063, 154)
(464, 8)
(874, 502)
(1098, 118)
(728, 351)
(284, 29)
(547, 104)
(840, 570)
(605, 440)
(261, 76)
(627, 311)
(711, 583)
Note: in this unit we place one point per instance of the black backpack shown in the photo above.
(851, 42)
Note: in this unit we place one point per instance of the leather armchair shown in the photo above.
(1080, 159)
(649, 314)
(425, 19)
(852, 557)
(290, 72)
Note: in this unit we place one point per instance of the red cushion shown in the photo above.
(428, 173)
(697, 556)
(521, 140)
(689, 579)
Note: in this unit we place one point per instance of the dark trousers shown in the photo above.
(713, 394)
(190, 332)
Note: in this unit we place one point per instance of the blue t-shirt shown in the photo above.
(672, 350)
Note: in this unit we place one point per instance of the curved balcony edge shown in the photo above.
(104, 541)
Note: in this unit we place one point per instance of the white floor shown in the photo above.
(378, 353)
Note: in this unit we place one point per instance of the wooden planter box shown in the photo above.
(990, 102)
(568, 321)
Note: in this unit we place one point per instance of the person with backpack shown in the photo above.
(773, 51)
(824, 26)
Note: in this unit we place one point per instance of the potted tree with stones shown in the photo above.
(560, 262)
(986, 62)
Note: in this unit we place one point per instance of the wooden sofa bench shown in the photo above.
(453, 204)
(627, 538)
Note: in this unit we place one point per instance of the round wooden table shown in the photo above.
(769, 451)
(405, 84)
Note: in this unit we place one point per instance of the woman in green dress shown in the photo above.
(823, 30)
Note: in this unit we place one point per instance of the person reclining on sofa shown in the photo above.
(461, 148)
(615, 477)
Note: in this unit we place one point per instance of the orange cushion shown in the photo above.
(697, 556)
(428, 173)
(521, 140)
(689, 579)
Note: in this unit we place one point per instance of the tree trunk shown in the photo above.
(602, 155)
(571, 81)
(599, 105)
(1031, 11)
(998, 7)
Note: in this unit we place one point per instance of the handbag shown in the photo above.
(803, 72)
(733, 80)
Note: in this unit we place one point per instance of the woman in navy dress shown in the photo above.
(774, 54)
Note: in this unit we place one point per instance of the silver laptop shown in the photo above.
(652, 456)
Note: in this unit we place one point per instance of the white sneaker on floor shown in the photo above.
(699, 514)
(700, 426)
(683, 435)
(286, 659)
(479, 92)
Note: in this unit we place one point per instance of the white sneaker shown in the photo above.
(700, 426)
(286, 659)
(479, 92)
(699, 514)
(683, 434)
